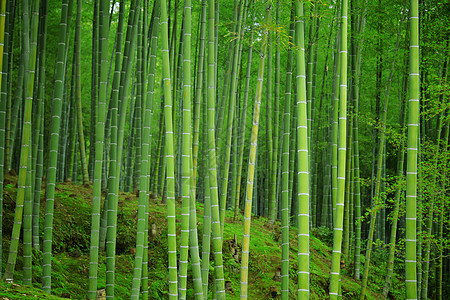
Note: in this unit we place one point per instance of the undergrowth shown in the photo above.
(70, 262)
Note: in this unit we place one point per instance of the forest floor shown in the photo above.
(71, 237)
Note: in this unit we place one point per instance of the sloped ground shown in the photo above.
(17, 291)
(71, 253)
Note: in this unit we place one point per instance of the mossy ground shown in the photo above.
(71, 252)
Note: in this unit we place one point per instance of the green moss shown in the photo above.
(17, 291)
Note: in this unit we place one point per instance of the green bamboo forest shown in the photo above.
(246, 149)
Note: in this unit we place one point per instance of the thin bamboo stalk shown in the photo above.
(251, 165)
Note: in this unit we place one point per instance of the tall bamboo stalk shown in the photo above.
(28, 204)
(14, 116)
(270, 202)
(186, 151)
(242, 127)
(276, 117)
(99, 145)
(94, 86)
(356, 66)
(412, 149)
(251, 164)
(53, 153)
(206, 239)
(7, 90)
(24, 154)
(4, 39)
(285, 215)
(303, 174)
(39, 129)
(398, 192)
(129, 55)
(198, 89)
(212, 165)
(142, 226)
(335, 123)
(338, 217)
(173, 284)
(81, 143)
(231, 109)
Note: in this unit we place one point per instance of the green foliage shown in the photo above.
(324, 234)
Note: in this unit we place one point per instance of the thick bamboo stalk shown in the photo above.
(4, 56)
(206, 238)
(53, 153)
(338, 218)
(142, 226)
(412, 150)
(173, 284)
(335, 125)
(303, 174)
(348, 184)
(186, 145)
(212, 165)
(193, 240)
(29, 92)
(99, 145)
(38, 128)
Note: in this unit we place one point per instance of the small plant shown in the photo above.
(324, 234)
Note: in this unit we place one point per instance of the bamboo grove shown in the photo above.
(321, 116)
